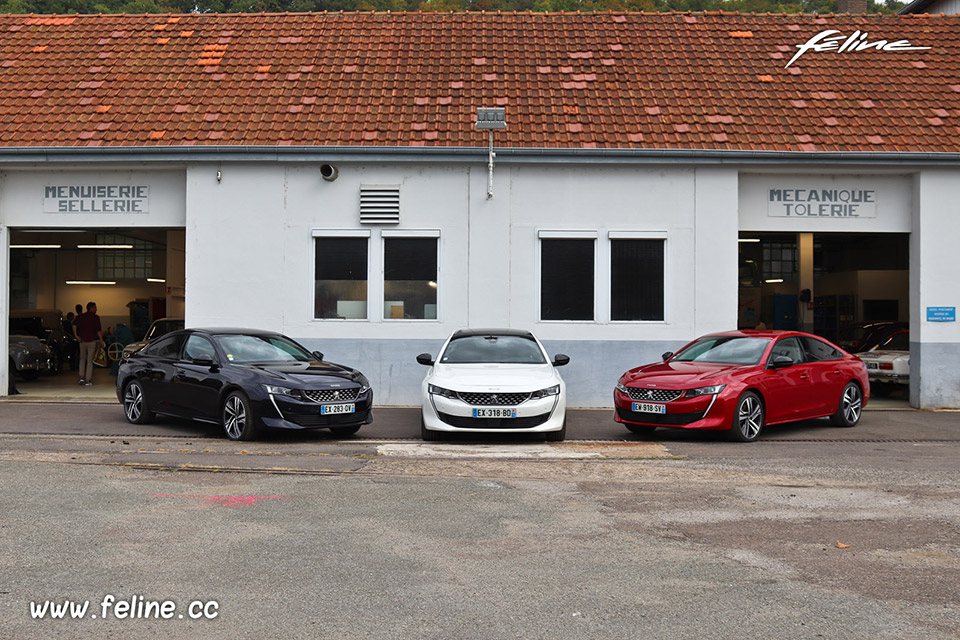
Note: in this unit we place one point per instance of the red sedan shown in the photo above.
(740, 381)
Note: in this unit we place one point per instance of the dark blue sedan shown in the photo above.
(243, 380)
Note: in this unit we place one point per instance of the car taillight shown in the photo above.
(886, 365)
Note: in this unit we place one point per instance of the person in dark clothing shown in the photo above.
(89, 333)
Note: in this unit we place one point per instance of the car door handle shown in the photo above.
(804, 376)
(180, 375)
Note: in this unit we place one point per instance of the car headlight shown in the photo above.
(281, 391)
(705, 391)
(620, 387)
(543, 393)
(440, 391)
(364, 388)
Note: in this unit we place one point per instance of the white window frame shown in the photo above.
(547, 234)
(639, 235)
(408, 233)
(341, 233)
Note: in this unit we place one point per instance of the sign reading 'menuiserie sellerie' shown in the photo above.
(96, 199)
(822, 203)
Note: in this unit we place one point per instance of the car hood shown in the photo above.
(494, 377)
(309, 374)
(680, 375)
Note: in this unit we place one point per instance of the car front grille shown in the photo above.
(466, 422)
(333, 395)
(653, 395)
(497, 399)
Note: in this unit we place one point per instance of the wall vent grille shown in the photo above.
(380, 204)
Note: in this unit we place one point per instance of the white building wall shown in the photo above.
(250, 252)
(934, 265)
(252, 235)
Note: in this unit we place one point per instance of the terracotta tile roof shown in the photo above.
(604, 80)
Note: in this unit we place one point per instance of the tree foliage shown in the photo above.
(251, 6)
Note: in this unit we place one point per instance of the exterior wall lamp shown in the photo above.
(491, 119)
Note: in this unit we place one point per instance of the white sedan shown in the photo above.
(493, 381)
(889, 363)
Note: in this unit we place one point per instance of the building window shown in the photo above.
(780, 261)
(124, 264)
(636, 279)
(410, 278)
(566, 278)
(340, 280)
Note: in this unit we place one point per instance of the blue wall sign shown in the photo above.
(941, 314)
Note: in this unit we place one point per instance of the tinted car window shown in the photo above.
(789, 347)
(198, 346)
(246, 349)
(818, 350)
(168, 347)
(493, 349)
(724, 350)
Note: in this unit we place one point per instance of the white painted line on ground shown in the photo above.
(536, 451)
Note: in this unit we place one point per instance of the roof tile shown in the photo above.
(352, 79)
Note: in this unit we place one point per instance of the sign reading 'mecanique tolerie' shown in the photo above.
(96, 199)
(822, 203)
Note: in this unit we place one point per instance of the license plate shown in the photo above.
(494, 413)
(334, 409)
(872, 365)
(647, 407)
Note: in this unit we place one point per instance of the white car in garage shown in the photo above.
(888, 365)
(493, 381)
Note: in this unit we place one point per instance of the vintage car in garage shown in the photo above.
(30, 357)
(888, 364)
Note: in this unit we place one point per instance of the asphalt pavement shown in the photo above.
(403, 423)
(810, 532)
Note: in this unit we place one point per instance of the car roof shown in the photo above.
(230, 331)
(464, 333)
(762, 333)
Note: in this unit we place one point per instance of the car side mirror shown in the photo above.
(425, 359)
(204, 361)
(561, 359)
(318, 355)
(780, 362)
(666, 355)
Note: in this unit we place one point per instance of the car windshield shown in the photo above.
(27, 326)
(896, 342)
(248, 349)
(163, 327)
(492, 349)
(724, 350)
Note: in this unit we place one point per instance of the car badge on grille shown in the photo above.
(336, 394)
(493, 398)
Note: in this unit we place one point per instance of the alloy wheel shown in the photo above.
(234, 417)
(852, 403)
(133, 402)
(750, 417)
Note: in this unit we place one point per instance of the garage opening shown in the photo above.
(851, 288)
(135, 277)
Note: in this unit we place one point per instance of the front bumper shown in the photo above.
(283, 412)
(702, 412)
(533, 416)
